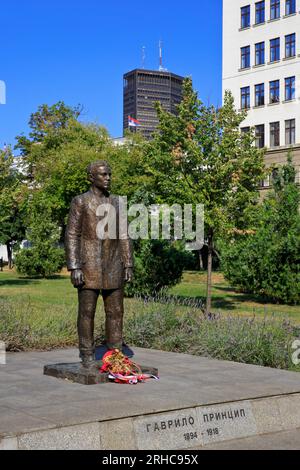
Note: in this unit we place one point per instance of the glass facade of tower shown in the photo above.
(142, 89)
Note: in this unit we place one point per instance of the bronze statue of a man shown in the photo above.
(97, 264)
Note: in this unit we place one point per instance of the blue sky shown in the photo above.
(78, 51)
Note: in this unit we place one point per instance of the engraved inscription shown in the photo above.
(175, 430)
(226, 422)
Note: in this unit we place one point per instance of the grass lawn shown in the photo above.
(226, 299)
(55, 291)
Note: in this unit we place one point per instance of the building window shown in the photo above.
(260, 94)
(245, 57)
(274, 91)
(260, 53)
(260, 12)
(266, 182)
(245, 97)
(290, 7)
(290, 134)
(245, 17)
(274, 134)
(275, 50)
(290, 45)
(275, 9)
(245, 130)
(260, 136)
(290, 88)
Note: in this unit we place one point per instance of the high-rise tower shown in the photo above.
(142, 88)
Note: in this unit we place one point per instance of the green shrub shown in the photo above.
(158, 264)
(32, 262)
(268, 261)
(44, 258)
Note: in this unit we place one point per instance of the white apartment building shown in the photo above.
(261, 67)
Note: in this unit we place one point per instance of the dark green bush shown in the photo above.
(34, 262)
(158, 264)
(44, 258)
(268, 261)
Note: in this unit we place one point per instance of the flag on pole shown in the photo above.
(133, 122)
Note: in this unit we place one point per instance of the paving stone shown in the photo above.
(289, 408)
(118, 435)
(267, 415)
(9, 443)
(15, 421)
(84, 437)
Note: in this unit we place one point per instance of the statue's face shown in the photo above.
(101, 178)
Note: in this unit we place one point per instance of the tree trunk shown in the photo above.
(209, 271)
(200, 260)
(9, 254)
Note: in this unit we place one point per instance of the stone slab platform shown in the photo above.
(197, 403)
(75, 372)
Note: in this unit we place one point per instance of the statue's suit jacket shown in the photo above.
(102, 261)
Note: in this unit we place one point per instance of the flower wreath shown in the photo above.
(121, 369)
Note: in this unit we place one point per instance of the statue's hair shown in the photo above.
(94, 165)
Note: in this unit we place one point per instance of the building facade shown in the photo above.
(261, 67)
(142, 88)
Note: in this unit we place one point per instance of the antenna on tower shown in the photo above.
(143, 56)
(161, 68)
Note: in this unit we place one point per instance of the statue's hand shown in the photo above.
(128, 274)
(77, 278)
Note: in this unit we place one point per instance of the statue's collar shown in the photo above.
(98, 194)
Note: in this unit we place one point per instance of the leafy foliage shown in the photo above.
(267, 262)
(13, 197)
(44, 257)
(201, 157)
(158, 264)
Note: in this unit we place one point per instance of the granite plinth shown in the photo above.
(197, 403)
(75, 372)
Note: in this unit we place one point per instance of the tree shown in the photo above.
(56, 155)
(47, 119)
(267, 261)
(128, 177)
(13, 196)
(44, 257)
(201, 157)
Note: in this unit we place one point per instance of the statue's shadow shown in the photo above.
(102, 349)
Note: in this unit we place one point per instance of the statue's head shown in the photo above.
(99, 174)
